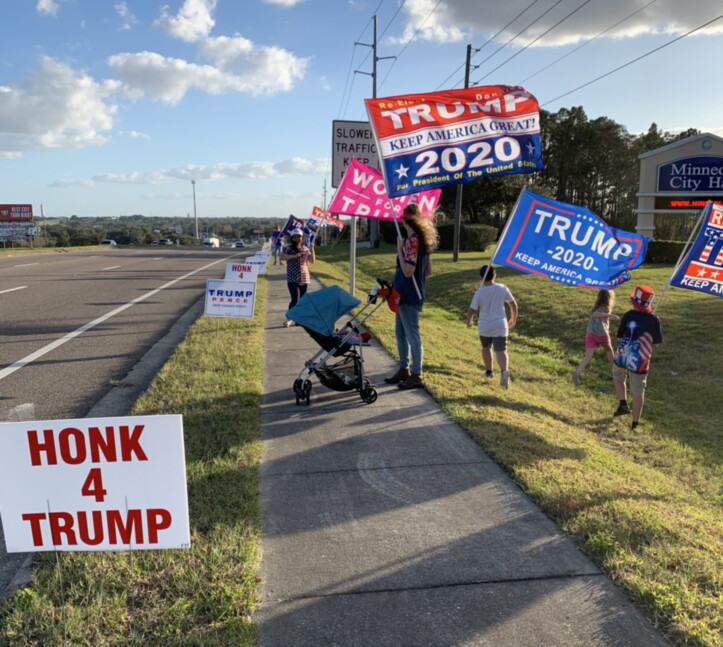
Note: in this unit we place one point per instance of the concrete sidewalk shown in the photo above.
(385, 524)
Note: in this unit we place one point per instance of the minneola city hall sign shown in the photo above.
(679, 177)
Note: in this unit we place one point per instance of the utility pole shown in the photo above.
(195, 215)
(373, 225)
(458, 199)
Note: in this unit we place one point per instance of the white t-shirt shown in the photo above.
(489, 302)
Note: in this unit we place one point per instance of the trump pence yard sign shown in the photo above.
(94, 484)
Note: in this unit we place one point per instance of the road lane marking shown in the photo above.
(26, 264)
(28, 359)
(22, 287)
(112, 267)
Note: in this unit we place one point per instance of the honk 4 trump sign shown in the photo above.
(94, 484)
(242, 271)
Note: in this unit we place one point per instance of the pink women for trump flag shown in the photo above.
(362, 193)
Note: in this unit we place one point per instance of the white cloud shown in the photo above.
(126, 15)
(192, 23)
(48, 7)
(55, 107)
(134, 134)
(221, 171)
(284, 3)
(239, 66)
(454, 19)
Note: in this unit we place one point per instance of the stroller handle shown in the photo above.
(384, 290)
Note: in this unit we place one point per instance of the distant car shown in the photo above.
(165, 241)
(240, 243)
(108, 241)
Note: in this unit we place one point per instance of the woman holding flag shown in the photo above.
(414, 265)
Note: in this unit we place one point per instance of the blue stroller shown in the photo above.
(338, 364)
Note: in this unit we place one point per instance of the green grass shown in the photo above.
(646, 505)
(202, 596)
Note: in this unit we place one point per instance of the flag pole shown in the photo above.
(681, 258)
(507, 226)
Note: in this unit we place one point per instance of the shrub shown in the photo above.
(472, 238)
(664, 251)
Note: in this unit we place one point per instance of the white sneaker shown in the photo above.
(504, 379)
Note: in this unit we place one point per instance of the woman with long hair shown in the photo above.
(414, 265)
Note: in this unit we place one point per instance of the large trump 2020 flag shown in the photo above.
(427, 141)
(568, 244)
(702, 267)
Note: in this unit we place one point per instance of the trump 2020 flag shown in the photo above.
(702, 267)
(362, 193)
(427, 141)
(567, 244)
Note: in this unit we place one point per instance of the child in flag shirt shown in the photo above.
(639, 332)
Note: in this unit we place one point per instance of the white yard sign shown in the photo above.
(260, 260)
(236, 299)
(241, 271)
(94, 484)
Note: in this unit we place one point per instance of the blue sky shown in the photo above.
(112, 108)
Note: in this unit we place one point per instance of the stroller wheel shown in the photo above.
(369, 394)
(306, 391)
(297, 387)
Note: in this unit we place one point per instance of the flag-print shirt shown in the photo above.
(297, 269)
(638, 333)
(413, 253)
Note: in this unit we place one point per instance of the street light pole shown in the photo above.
(195, 215)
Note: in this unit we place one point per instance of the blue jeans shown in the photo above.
(406, 327)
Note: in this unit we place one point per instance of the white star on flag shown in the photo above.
(701, 272)
(402, 171)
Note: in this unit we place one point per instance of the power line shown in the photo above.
(424, 22)
(488, 41)
(542, 35)
(635, 60)
(351, 60)
(520, 32)
(587, 42)
(396, 13)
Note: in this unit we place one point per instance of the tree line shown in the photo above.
(143, 230)
(592, 163)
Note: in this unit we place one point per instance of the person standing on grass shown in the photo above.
(639, 332)
(277, 242)
(597, 334)
(413, 266)
(488, 303)
(297, 257)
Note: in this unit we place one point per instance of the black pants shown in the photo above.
(296, 291)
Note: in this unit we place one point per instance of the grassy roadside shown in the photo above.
(202, 596)
(646, 506)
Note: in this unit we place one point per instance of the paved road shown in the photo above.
(74, 327)
(46, 298)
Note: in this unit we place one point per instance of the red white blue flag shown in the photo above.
(568, 244)
(702, 267)
(427, 141)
